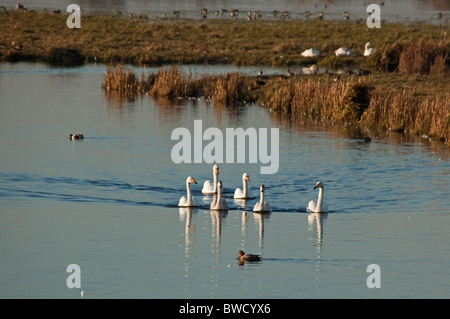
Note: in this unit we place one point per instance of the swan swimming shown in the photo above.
(189, 200)
(320, 206)
(310, 53)
(262, 206)
(211, 188)
(219, 203)
(343, 52)
(244, 192)
(368, 51)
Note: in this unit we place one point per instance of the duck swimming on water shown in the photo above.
(248, 257)
(76, 136)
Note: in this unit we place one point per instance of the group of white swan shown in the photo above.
(219, 202)
(368, 51)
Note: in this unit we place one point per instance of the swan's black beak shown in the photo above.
(194, 180)
(315, 187)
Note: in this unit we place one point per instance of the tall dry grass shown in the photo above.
(391, 110)
(228, 89)
(119, 79)
(424, 56)
(322, 100)
(359, 103)
(170, 83)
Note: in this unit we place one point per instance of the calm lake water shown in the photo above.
(108, 203)
(434, 11)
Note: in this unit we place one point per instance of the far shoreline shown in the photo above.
(410, 66)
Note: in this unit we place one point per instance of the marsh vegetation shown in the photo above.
(407, 89)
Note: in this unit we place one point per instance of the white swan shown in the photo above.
(262, 206)
(219, 203)
(320, 206)
(343, 52)
(189, 200)
(211, 188)
(310, 53)
(244, 192)
(368, 51)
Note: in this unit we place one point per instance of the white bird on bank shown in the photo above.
(320, 206)
(343, 52)
(189, 200)
(244, 192)
(219, 203)
(211, 188)
(262, 206)
(310, 53)
(367, 50)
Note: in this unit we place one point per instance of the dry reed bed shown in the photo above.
(171, 83)
(358, 102)
(352, 100)
(424, 56)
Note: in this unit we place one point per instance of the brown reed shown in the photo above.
(424, 56)
(229, 89)
(119, 79)
(352, 100)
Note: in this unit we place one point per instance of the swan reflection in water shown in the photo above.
(315, 222)
(186, 215)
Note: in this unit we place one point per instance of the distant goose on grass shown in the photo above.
(320, 206)
(310, 53)
(189, 200)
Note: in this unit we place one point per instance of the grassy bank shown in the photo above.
(36, 35)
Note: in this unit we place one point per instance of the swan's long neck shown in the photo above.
(244, 182)
(319, 200)
(215, 181)
(219, 194)
(261, 201)
(188, 188)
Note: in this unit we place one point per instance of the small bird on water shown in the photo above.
(76, 136)
(248, 257)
